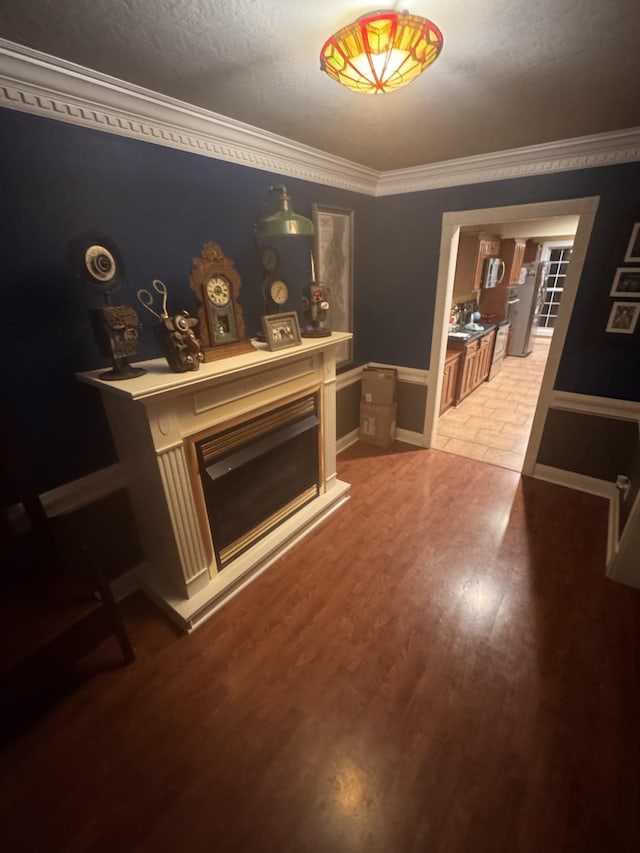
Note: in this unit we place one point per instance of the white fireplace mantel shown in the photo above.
(153, 419)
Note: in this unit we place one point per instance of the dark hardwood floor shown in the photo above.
(440, 666)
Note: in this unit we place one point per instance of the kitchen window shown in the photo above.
(558, 258)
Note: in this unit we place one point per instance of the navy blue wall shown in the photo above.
(160, 205)
(404, 268)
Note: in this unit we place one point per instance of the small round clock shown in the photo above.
(269, 258)
(218, 291)
(275, 291)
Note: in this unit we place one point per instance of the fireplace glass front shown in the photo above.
(256, 474)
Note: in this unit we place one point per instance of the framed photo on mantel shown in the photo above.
(333, 250)
(281, 330)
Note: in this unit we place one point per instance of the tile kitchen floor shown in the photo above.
(493, 423)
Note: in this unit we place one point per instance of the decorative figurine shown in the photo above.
(315, 305)
(96, 261)
(175, 333)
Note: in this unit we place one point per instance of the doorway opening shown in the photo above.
(500, 420)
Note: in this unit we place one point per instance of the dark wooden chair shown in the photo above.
(55, 602)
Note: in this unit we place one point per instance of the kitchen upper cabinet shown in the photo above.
(512, 253)
(472, 250)
(493, 301)
(532, 252)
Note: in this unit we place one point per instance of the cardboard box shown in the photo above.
(379, 385)
(378, 424)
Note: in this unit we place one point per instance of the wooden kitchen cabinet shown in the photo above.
(485, 353)
(493, 302)
(450, 379)
(532, 252)
(469, 372)
(475, 364)
(512, 253)
(472, 250)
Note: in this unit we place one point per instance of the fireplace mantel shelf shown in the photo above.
(160, 380)
(157, 421)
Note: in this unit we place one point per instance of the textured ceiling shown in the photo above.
(512, 73)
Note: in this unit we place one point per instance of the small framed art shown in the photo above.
(623, 318)
(281, 330)
(626, 282)
(633, 249)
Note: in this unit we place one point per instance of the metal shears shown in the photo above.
(146, 298)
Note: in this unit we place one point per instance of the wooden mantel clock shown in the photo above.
(216, 284)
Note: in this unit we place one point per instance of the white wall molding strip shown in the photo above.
(572, 480)
(604, 406)
(349, 377)
(587, 152)
(44, 85)
(412, 375)
(592, 486)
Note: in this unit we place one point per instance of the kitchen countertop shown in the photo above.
(460, 334)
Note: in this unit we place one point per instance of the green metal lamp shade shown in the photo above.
(284, 220)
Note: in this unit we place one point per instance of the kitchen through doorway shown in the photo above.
(493, 421)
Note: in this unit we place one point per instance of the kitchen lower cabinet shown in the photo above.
(474, 364)
(450, 380)
(485, 354)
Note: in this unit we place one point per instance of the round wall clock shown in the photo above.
(275, 291)
(96, 260)
(216, 284)
(269, 258)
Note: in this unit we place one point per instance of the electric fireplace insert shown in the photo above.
(256, 474)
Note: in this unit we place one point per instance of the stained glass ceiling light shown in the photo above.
(381, 51)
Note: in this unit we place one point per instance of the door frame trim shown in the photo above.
(452, 221)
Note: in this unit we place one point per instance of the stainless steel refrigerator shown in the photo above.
(525, 306)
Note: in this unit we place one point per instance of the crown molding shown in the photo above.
(585, 152)
(44, 85)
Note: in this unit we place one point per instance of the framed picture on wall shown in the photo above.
(623, 317)
(333, 250)
(626, 282)
(633, 249)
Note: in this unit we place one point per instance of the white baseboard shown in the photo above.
(349, 377)
(347, 440)
(410, 437)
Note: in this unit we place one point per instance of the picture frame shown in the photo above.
(623, 318)
(333, 250)
(626, 282)
(281, 330)
(633, 248)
